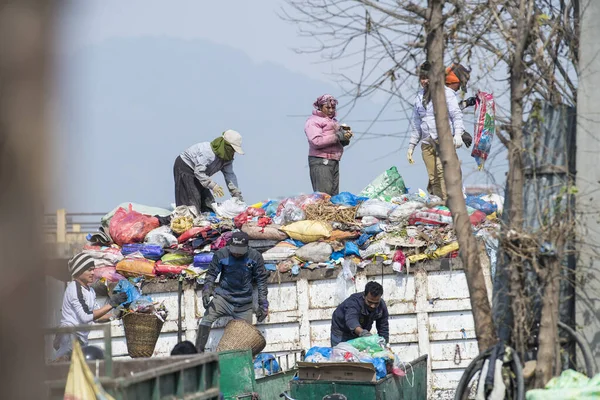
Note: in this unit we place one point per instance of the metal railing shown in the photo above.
(62, 224)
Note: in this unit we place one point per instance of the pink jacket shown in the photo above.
(322, 137)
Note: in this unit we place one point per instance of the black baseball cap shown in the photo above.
(239, 243)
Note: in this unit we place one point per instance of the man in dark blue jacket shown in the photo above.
(240, 267)
(355, 316)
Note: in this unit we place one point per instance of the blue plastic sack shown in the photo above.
(364, 238)
(149, 251)
(270, 208)
(203, 260)
(351, 249)
(267, 362)
(347, 199)
(133, 293)
(372, 230)
(481, 205)
(295, 242)
(324, 351)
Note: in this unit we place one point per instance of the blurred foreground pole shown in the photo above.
(25, 45)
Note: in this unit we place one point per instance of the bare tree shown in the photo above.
(531, 44)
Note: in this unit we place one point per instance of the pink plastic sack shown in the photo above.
(221, 241)
(129, 226)
(108, 273)
(485, 127)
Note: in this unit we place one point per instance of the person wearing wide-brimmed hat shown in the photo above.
(194, 167)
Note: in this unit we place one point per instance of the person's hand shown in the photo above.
(117, 299)
(471, 101)
(458, 142)
(409, 155)
(206, 299)
(467, 139)
(218, 191)
(348, 135)
(365, 333)
(261, 314)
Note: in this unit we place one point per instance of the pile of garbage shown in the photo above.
(369, 349)
(138, 303)
(383, 222)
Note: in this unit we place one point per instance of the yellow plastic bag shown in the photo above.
(308, 231)
(181, 224)
(136, 267)
(81, 384)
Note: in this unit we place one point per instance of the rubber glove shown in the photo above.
(206, 298)
(117, 299)
(409, 155)
(467, 139)
(458, 142)
(261, 314)
(365, 333)
(218, 191)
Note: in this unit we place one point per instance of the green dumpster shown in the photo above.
(178, 377)
(413, 386)
(237, 374)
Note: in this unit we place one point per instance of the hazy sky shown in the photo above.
(128, 102)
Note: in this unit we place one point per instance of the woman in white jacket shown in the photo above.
(424, 130)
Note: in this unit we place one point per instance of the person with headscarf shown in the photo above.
(457, 77)
(194, 167)
(326, 141)
(424, 130)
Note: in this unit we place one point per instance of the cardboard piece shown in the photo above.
(342, 371)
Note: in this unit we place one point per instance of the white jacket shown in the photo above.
(423, 120)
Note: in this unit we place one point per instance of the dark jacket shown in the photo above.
(237, 277)
(354, 312)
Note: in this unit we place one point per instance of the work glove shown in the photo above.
(206, 295)
(471, 101)
(458, 142)
(218, 191)
(117, 299)
(467, 139)
(409, 155)
(365, 333)
(261, 314)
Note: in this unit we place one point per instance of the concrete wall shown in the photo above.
(588, 175)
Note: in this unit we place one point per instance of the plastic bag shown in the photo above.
(161, 236)
(398, 261)
(230, 208)
(350, 249)
(379, 247)
(129, 288)
(107, 273)
(479, 204)
(177, 258)
(271, 232)
(372, 230)
(344, 284)
(265, 364)
(375, 208)
(103, 256)
(403, 212)
(149, 251)
(136, 267)
(140, 208)
(308, 231)
(370, 344)
(320, 353)
(129, 226)
(290, 213)
(270, 207)
(315, 252)
(182, 224)
(81, 383)
(344, 352)
(192, 233)
(143, 304)
(203, 260)
(281, 251)
(485, 127)
(161, 268)
(221, 241)
(369, 220)
(347, 199)
(431, 216)
(387, 185)
(570, 385)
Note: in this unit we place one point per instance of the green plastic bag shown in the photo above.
(570, 385)
(385, 186)
(370, 344)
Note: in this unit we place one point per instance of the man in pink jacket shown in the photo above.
(326, 141)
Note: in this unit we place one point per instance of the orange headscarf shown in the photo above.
(451, 76)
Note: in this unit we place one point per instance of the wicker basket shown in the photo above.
(241, 335)
(141, 333)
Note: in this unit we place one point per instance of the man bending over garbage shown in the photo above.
(355, 316)
(239, 267)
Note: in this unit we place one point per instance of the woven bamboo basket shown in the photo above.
(141, 333)
(239, 335)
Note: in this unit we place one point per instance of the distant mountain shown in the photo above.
(128, 107)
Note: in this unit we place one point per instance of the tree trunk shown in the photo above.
(25, 34)
(469, 252)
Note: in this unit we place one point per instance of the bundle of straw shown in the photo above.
(330, 213)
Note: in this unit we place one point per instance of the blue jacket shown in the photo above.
(237, 277)
(353, 312)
